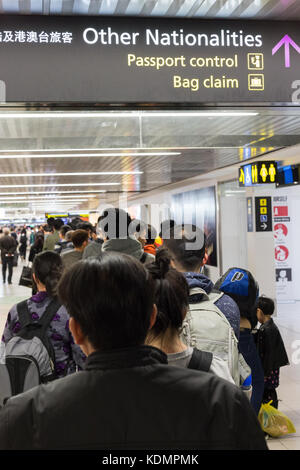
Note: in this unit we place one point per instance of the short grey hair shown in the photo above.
(68, 236)
(6, 231)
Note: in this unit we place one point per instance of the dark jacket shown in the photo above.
(8, 245)
(62, 246)
(93, 249)
(129, 246)
(271, 348)
(226, 304)
(34, 250)
(131, 399)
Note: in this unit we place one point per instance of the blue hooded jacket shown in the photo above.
(226, 304)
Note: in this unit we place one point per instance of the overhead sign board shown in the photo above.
(258, 173)
(148, 60)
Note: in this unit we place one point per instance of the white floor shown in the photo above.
(288, 321)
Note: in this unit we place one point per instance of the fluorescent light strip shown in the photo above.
(102, 149)
(49, 198)
(26, 193)
(125, 114)
(113, 149)
(58, 201)
(86, 155)
(56, 185)
(90, 173)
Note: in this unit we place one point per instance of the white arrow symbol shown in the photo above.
(264, 225)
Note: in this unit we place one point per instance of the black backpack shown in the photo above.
(28, 358)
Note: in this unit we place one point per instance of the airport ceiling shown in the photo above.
(73, 157)
(231, 9)
(133, 151)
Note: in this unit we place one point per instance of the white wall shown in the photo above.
(261, 260)
(233, 226)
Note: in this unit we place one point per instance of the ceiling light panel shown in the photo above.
(91, 173)
(87, 155)
(55, 185)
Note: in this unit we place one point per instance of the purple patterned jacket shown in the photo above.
(67, 354)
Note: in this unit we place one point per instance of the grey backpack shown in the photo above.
(28, 358)
(205, 327)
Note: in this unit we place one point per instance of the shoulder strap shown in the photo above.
(201, 360)
(215, 295)
(197, 291)
(49, 313)
(23, 313)
(143, 258)
(208, 304)
(44, 323)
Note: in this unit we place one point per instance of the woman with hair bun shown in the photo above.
(172, 301)
(46, 272)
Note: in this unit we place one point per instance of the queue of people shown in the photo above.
(149, 352)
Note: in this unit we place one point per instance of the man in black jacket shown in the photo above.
(8, 246)
(127, 397)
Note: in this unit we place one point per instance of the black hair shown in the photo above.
(47, 267)
(39, 242)
(171, 294)
(50, 221)
(151, 234)
(57, 224)
(139, 225)
(48, 228)
(75, 222)
(187, 246)
(64, 229)
(111, 298)
(83, 225)
(266, 305)
(115, 223)
(79, 237)
(166, 228)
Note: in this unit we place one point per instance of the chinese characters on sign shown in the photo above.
(36, 37)
(283, 248)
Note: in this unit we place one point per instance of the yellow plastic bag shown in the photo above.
(274, 422)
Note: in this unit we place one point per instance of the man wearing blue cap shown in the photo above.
(241, 286)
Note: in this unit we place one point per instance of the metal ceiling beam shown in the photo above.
(67, 7)
(195, 7)
(241, 8)
(148, 7)
(174, 7)
(24, 7)
(94, 7)
(268, 7)
(216, 7)
(121, 7)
